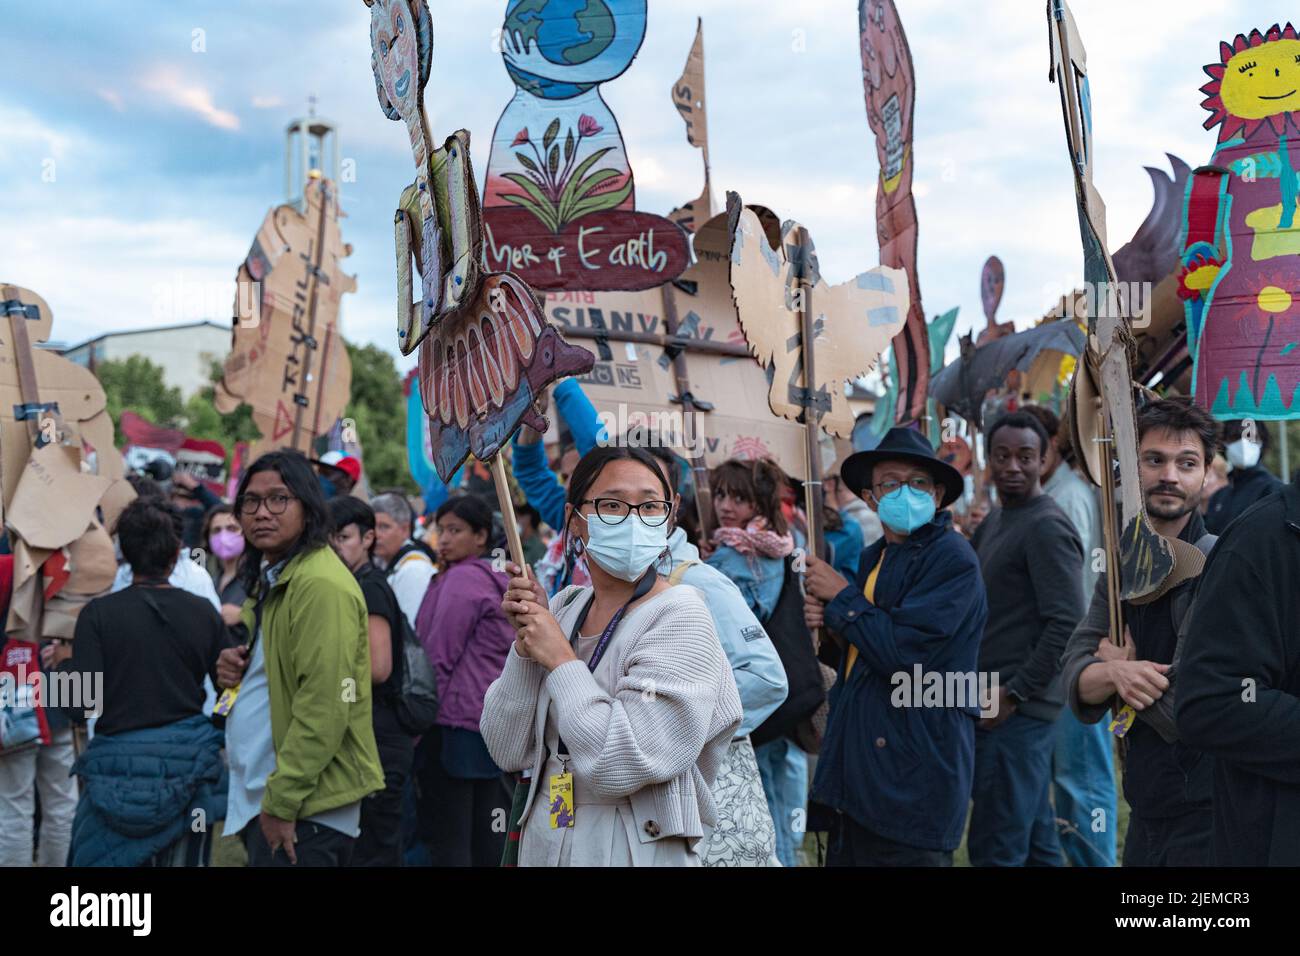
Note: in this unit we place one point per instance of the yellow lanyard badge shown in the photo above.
(561, 800)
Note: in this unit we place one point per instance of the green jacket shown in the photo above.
(317, 651)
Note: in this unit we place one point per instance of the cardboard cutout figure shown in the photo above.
(1241, 251)
(891, 95)
(852, 322)
(688, 97)
(993, 279)
(437, 217)
(1145, 559)
(287, 358)
(486, 366)
(57, 467)
(633, 383)
(559, 206)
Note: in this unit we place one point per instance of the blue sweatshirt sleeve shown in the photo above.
(755, 664)
(541, 488)
(580, 415)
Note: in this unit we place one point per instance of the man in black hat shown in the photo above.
(897, 758)
(1032, 562)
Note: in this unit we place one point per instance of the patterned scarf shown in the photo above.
(755, 538)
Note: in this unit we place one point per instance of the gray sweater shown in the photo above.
(657, 740)
(1032, 563)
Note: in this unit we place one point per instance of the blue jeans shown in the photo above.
(784, 769)
(1011, 819)
(1083, 772)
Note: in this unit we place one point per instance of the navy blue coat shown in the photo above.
(905, 772)
(139, 790)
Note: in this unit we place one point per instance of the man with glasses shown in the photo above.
(299, 734)
(894, 772)
(1032, 563)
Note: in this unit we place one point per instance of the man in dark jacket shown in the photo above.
(1166, 783)
(1239, 683)
(898, 753)
(1032, 563)
(1245, 442)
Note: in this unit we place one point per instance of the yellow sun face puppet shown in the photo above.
(1261, 81)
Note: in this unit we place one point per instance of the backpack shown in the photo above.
(415, 702)
(408, 549)
(793, 642)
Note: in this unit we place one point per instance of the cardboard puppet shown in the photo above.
(890, 86)
(437, 218)
(287, 359)
(559, 207)
(486, 349)
(1241, 248)
(61, 476)
(852, 322)
(1102, 394)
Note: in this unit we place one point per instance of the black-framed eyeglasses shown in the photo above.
(247, 505)
(921, 483)
(616, 510)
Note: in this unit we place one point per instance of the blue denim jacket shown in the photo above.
(758, 578)
(760, 677)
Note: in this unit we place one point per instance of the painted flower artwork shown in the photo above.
(559, 200)
(554, 186)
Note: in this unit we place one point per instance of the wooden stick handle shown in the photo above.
(508, 511)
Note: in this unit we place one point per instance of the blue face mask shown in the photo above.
(906, 509)
(625, 549)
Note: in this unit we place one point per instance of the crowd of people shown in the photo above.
(328, 680)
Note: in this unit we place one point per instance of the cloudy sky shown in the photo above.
(140, 152)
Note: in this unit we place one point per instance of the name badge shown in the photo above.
(226, 701)
(1123, 721)
(561, 800)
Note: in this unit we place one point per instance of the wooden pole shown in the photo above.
(708, 346)
(811, 419)
(700, 472)
(508, 511)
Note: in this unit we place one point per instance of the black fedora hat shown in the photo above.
(902, 444)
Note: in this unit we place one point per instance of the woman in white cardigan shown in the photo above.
(616, 699)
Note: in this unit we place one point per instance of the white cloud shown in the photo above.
(27, 135)
(168, 83)
(112, 98)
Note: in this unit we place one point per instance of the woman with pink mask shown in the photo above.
(225, 543)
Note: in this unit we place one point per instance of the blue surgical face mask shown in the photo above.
(906, 509)
(625, 549)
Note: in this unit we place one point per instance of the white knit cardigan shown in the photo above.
(658, 740)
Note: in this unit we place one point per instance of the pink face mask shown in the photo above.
(227, 543)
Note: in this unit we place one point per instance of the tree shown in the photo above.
(378, 407)
(136, 384)
(202, 420)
